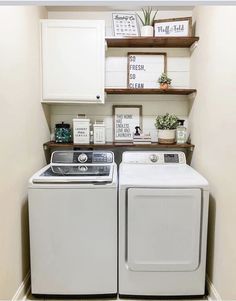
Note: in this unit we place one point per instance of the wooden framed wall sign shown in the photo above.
(177, 27)
(125, 25)
(125, 119)
(144, 69)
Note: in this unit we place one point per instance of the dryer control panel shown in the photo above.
(154, 157)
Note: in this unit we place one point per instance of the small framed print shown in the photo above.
(125, 25)
(125, 119)
(177, 27)
(144, 69)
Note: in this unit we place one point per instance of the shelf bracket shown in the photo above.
(192, 96)
(193, 46)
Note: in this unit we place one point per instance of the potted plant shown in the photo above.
(164, 81)
(166, 126)
(147, 22)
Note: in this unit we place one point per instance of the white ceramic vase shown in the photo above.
(166, 136)
(147, 31)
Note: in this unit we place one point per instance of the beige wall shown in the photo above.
(23, 131)
(213, 123)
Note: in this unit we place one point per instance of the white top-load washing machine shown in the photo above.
(163, 213)
(73, 224)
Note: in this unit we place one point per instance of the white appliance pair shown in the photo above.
(163, 209)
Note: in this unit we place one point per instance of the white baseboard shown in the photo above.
(23, 290)
(213, 295)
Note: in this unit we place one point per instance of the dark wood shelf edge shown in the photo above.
(170, 91)
(52, 144)
(139, 42)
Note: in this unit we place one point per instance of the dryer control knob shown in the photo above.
(153, 158)
(82, 158)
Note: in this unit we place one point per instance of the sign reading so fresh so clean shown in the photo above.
(144, 69)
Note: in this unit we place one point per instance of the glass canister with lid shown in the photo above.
(63, 133)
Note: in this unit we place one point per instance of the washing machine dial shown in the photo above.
(83, 168)
(153, 158)
(82, 158)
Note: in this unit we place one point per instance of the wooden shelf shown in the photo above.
(53, 144)
(170, 91)
(141, 42)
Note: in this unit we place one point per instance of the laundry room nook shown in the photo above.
(117, 155)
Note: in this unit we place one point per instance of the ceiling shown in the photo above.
(115, 7)
(121, 4)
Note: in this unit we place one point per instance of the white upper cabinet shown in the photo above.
(73, 61)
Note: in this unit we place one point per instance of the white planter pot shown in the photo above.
(147, 31)
(166, 136)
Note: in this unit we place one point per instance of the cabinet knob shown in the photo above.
(98, 96)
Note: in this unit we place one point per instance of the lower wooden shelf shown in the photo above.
(154, 145)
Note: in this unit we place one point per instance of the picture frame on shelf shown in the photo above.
(125, 25)
(144, 69)
(175, 27)
(125, 119)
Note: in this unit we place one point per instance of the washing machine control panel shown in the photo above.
(82, 157)
(94, 157)
(102, 157)
(158, 157)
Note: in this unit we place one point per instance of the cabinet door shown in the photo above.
(163, 229)
(73, 55)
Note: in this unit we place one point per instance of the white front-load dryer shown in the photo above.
(163, 213)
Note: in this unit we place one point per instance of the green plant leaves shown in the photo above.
(148, 19)
(166, 122)
(164, 79)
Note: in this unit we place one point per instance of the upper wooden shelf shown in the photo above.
(170, 91)
(108, 145)
(140, 42)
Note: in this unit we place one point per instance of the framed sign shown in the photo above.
(125, 25)
(125, 119)
(177, 27)
(144, 69)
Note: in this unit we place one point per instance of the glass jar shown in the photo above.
(181, 133)
(63, 133)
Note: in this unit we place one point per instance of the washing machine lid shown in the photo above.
(77, 167)
(162, 176)
(74, 174)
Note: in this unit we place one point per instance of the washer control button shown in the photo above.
(82, 158)
(153, 158)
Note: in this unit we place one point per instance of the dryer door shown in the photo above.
(163, 229)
